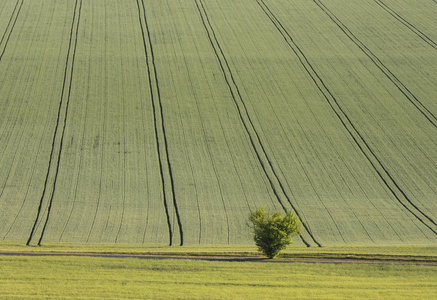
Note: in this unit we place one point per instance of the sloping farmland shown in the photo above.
(32, 70)
(168, 121)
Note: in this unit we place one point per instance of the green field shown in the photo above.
(376, 272)
(166, 122)
(110, 278)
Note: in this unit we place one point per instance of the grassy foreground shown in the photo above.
(99, 277)
(94, 277)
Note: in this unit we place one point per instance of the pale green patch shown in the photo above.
(105, 278)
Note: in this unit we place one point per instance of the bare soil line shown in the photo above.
(311, 259)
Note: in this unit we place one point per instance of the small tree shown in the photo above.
(273, 232)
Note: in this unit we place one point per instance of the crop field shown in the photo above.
(166, 122)
(128, 278)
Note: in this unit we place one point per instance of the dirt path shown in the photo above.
(322, 258)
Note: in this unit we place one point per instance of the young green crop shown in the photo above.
(144, 122)
(103, 278)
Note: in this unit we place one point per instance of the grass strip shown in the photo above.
(94, 277)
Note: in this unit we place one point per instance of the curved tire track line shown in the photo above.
(384, 69)
(274, 202)
(251, 126)
(156, 128)
(407, 24)
(404, 90)
(46, 182)
(10, 27)
(279, 168)
(33, 169)
(10, 20)
(167, 155)
(143, 122)
(359, 185)
(64, 125)
(27, 190)
(78, 176)
(213, 164)
(208, 148)
(382, 172)
(7, 179)
(232, 92)
(188, 158)
(162, 157)
(241, 108)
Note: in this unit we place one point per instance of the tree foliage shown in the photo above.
(273, 232)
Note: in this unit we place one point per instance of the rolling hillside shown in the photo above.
(167, 121)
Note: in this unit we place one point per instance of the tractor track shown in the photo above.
(407, 24)
(160, 138)
(364, 147)
(404, 90)
(247, 124)
(188, 158)
(71, 53)
(380, 65)
(28, 184)
(10, 27)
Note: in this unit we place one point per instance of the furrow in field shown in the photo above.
(3, 42)
(109, 186)
(10, 27)
(36, 57)
(255, 140)
(82, 201)
(425, 92)
(7, 27)
(225, 209)
(218, 179)
(403, 53)
(398, 133)
(407, 24)
(58, 136)
(405, 91)
(361, 143)
(160, 134)
(332, 184)
(421, 14)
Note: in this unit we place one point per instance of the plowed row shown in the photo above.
(168, 121)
